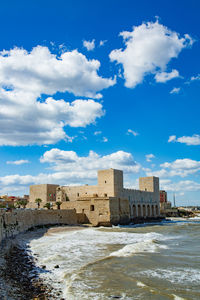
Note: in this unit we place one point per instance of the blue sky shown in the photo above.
(86, 85)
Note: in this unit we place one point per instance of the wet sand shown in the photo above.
(60, 229)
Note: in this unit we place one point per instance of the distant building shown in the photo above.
(163, 196)
(106, 203)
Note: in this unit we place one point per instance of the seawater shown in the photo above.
(159, 261)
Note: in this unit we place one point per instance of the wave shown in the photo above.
(176, 275)
(75, 251)
(150, 246)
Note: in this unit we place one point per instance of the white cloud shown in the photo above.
(25, 118)
(148, 50)
(172, 138)
(105, 139)
(97, 132)
(195, 77)
(69, 160)
(34, 122)
(89, 45)
(130, 131)
(41, 72)
(164, 76)
(69, 168)
(180, 186)
(102, 43)
(188, 140)
(18, 162)
(175, 90)
(179, 167)
(149, 157)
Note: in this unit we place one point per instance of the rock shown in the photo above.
(57, 266)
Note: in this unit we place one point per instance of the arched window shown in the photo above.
(144, 210)
(139, 210)
(91, 207)
(134, 211)
(153, 211)
(148, 211)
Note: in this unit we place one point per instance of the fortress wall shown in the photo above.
(142, 198)
(17, 221)
(74, 192)
(95, 210)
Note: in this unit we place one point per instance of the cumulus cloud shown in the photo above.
(179, 167)
(34, 122)
(102, 43)
(175, 90)
(18, 162)
(197, 77)
(172, 138)
(89, 45)
(148, 50)
(164, 76)
(25, 77)
(105, 139)
(180, 186)
(188, 140)
(68, 168)
(42, 72)
(130, 131)
(149, 157)
(69, 160)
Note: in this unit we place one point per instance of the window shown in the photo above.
(77, 194)
(105, 181)
(91, 207)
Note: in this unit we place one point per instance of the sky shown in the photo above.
(88, 85)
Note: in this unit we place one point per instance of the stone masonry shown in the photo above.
(106, 203)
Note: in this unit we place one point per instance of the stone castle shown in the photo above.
(106, 203)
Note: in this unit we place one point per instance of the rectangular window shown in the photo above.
(91, 207)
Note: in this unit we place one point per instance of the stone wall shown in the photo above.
(17, 221)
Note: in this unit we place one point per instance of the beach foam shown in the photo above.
(75, 252)
(176, 276)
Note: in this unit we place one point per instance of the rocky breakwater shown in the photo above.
(19, 277)
(18, 221)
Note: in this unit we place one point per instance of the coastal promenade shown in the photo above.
(18, 221)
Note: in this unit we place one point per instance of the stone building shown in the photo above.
(46, 192)
(106, 203)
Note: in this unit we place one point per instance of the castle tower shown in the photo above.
(110, 182)
(149, 184)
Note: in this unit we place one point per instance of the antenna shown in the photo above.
(174, 200)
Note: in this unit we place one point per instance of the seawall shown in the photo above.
(18, 221)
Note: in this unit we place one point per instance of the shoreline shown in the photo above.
(19, 275)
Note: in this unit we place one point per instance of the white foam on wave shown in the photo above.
(73, 250)
(176, 275)
(140, 284)
(177, 297)
(139, 247)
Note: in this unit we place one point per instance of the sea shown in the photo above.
(146, 261)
